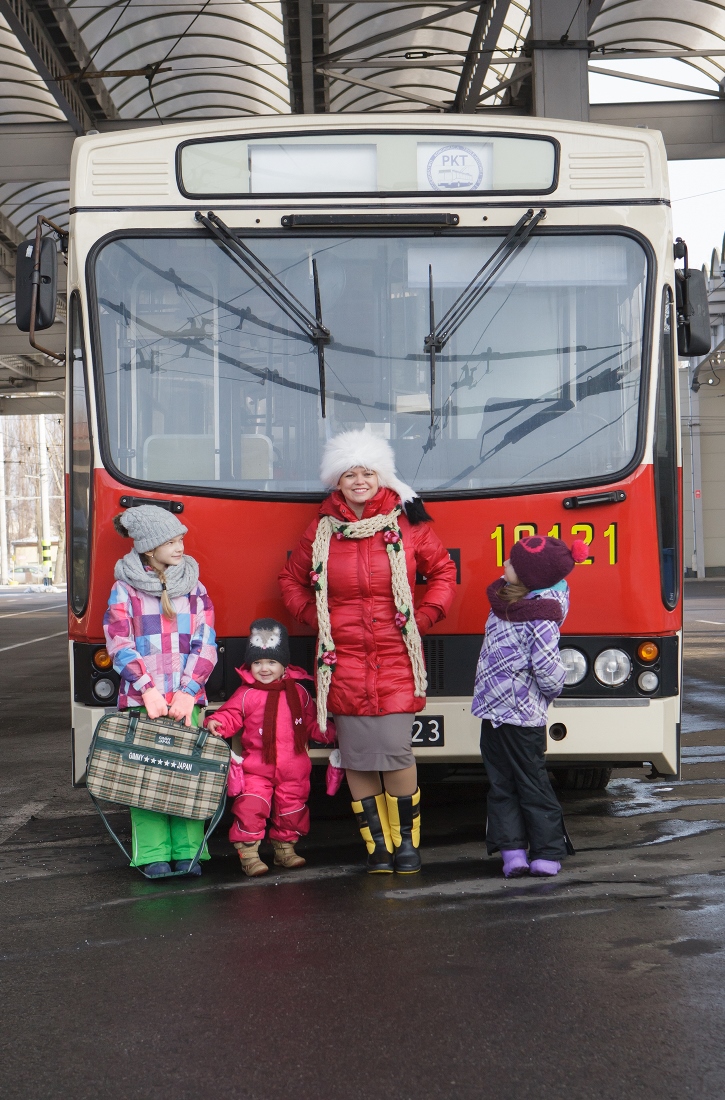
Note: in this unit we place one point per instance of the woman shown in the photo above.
(351, 577)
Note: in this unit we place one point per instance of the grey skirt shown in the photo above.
(375, 743)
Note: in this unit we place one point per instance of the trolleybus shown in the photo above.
(496, 297)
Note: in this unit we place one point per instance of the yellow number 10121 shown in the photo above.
(497, 537)
(611, 535)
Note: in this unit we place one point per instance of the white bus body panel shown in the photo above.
(631, 729)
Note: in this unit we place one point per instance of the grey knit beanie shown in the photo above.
(149, 526)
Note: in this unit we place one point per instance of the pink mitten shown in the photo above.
(155, 703)
(235, 779)
(335, 773)
(181, 707)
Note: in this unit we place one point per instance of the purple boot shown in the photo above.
(515, 862)
(544, 867)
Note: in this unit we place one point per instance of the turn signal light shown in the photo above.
(102, 659)
(648, 651)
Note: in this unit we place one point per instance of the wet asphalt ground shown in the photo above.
(608, 982)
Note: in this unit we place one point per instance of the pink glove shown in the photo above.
(181, 707)
(155, 703)
(235, 779)
(335, 773)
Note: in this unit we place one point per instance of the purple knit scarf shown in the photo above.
(524, 610)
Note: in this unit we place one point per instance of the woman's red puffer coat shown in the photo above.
(373, 674)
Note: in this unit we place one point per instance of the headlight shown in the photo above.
(575, 664)
(612, 667)
(648, 681)
(104, 688)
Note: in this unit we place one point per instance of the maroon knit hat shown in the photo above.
(541, 562)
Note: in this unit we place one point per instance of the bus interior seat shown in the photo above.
(257, 458)
(179, 458)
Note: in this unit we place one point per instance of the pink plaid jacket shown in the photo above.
(150, 650)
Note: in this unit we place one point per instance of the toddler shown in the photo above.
(276, 718)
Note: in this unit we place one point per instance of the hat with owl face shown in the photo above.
(268, 641)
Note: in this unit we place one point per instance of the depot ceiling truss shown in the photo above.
(51, 40)
(489, 23)
(306, 38)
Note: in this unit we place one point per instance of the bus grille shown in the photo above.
(434, 652)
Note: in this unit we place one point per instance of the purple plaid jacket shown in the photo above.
(149, 650)
(519, 670)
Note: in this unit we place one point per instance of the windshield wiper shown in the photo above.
(476, 290)
(240, 254)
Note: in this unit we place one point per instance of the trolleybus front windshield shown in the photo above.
(208, 383)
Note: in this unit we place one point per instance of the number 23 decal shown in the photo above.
(433, 732)
(583, 531)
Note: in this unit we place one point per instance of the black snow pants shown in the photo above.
(523, 811)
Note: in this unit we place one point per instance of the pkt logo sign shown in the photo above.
(455, 168)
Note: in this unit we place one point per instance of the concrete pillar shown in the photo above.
(4, 575)
(44, 498)
(560, 79)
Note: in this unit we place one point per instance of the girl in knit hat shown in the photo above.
(159, 628)
(351, 578)
(276, 717)
(519, 673)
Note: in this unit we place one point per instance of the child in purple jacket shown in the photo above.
(519, 673)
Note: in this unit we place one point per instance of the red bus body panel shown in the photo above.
(241, 545)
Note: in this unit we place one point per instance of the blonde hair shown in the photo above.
(167, 607)
(513, 592)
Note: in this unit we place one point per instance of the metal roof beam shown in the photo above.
(66, 39)
(489, 23)
(693, 129)
(306, 56)
(716, 92)
(32, 406)
(375, 86)
(396, 32)
(305, 27)
(33, 39)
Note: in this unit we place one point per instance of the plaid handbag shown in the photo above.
(158, 764)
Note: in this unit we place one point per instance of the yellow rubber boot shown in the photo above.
(372, 819)
(404, 817)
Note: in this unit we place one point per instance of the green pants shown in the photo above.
(164, 838)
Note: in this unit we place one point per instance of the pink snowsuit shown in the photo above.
(278, 791)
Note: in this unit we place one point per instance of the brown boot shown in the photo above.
(252, 865)
(285, 855)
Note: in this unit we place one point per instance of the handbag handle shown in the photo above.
(212, 826)
(131, 731)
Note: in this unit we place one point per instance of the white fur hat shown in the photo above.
(350, 449)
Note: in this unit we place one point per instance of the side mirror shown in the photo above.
(693, 313)
(26, 278)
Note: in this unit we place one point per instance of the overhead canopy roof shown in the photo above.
(85, 64)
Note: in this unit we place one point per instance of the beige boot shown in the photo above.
(252, 865)
(285, 855)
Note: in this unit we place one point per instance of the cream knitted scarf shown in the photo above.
(402, 596)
